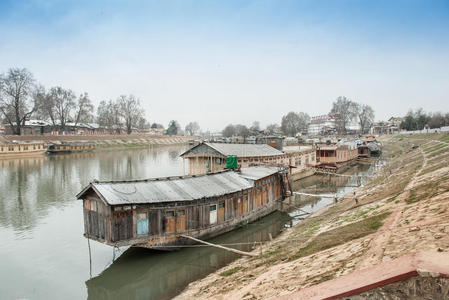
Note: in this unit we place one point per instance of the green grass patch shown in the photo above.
(341, 235)
(433, 168)
(445, 139)
(434, 148)
(230, 271)
(412, 198)
(435, 153)
(392, 199)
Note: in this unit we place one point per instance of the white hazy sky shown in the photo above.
(221, 62)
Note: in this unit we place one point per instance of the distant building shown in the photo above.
(31, 127)
(392, 126)
(322, 125)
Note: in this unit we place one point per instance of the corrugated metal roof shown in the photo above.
(167, 190)
(245, 150)
(258, 172)
(178, 189)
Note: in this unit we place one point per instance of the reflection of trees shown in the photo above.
(146, 274)
(30, 186)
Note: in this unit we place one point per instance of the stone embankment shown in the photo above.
(404, 209)
(105, 141)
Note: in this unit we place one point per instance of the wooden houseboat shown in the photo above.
(335, 156)
(70, 147)
(22, 149)
(154, 213)
(211, 157)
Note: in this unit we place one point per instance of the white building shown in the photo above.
(324, 124)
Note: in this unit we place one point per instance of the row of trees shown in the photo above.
(344, 110)
(22, 98)
(418, 120)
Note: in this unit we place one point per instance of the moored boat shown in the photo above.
(11, 149)
(155, 213)
(70, 147)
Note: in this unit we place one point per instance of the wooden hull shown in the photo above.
(170, 242)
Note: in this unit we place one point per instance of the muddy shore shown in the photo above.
(403, 209)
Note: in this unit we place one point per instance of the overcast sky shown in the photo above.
(221, 62)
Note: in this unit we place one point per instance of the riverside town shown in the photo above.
(224, 150)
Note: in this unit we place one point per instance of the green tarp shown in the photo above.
(231, 162)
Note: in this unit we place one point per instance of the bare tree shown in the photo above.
(365, 115)
(293, 122)
(84, 108)
(192, 128)
(45, 106)
(17, 103)
(344, 111)
(229, 131)
(173, 128)
(255, 127)
(143, 123)
(272, 128)
(64, 102)
(131, 110)
(242, 131)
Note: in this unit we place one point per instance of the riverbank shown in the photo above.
(104, 141)
(402, 210)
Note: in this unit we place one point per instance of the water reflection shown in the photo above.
(30, 186)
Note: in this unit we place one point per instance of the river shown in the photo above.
(43, 254)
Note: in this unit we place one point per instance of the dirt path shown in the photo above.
(379, 242)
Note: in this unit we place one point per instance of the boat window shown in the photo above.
(169, 214)
(212, 207)
(180, 213)
(221, 205)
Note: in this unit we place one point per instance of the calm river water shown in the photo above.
(43, 254)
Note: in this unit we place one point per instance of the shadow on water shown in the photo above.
(149, 274)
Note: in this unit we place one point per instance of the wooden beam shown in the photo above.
(218, 246)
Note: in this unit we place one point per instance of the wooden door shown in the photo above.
(245, 203)
(213, 214)
(180, 220)
(239, 206)
(169, 221)
(123, 225)
(221, 212)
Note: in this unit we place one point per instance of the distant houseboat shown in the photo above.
(154, 213)
(70, 147)
(22, 149)
(335, 156)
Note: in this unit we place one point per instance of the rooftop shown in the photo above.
(258, 172)
(241, 150)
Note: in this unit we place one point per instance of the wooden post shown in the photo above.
(218, 246)
(90, 257)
